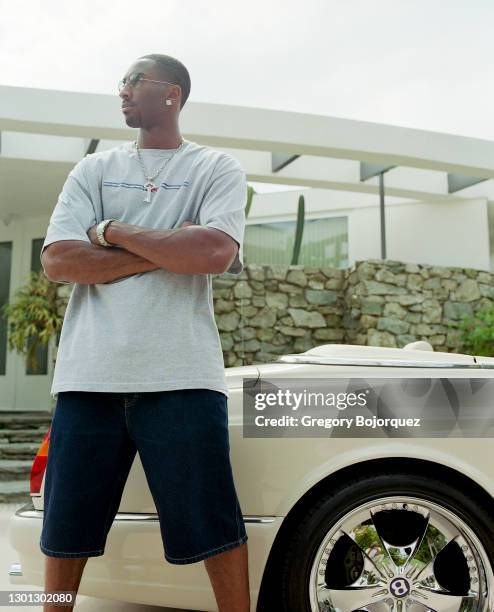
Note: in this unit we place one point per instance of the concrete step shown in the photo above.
(18, 450)
(15, 469)
(24, 420)
(13, 491)
(23, 435)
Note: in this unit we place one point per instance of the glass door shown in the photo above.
(9, 253)
(23, 386)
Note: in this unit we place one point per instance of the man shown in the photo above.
(139, 366)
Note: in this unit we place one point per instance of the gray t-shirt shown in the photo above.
(153, 331)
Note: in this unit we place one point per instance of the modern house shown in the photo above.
(370, 191)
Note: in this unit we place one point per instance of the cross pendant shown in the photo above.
(149, 187)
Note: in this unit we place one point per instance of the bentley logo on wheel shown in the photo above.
(399, 587)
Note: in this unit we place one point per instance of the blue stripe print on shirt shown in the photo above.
(171, 186)
(125, 185)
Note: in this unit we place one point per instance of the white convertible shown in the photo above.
(370, 523)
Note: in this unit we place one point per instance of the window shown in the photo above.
(5, 268)
(490, 217)
(324, 242)
(41, 352)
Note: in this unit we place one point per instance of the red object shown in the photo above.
(39, 465)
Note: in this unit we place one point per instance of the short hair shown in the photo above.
(173, 70)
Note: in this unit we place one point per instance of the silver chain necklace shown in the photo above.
(150, 187)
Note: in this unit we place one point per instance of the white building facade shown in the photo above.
(438, 191)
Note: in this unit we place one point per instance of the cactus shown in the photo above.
(299, 230)
(250, 196)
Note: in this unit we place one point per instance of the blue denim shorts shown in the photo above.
(182, 440)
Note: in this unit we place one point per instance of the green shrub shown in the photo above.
(33, 316)
(477, 332)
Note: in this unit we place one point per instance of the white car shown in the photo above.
(335, 523)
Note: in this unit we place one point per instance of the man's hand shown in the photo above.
(94, 238)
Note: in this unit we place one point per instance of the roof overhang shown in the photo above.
(312, 150)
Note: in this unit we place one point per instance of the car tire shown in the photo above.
(422, 505)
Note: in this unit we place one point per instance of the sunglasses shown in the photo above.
(134, 79)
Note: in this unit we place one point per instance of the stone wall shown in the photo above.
(267, 311)
(392, 303)
(271, 310)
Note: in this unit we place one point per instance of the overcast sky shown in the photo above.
(414, 63)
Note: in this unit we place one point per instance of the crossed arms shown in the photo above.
(189, 249)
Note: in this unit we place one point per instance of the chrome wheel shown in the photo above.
(402, 554)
